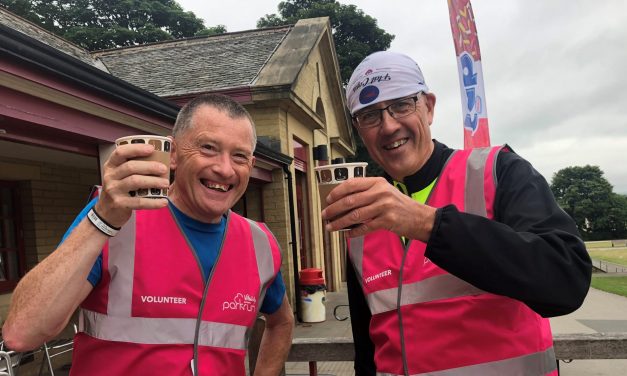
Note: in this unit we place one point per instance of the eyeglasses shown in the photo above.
(397, 110)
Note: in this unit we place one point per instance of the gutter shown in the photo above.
(265, 151)
(40, 55)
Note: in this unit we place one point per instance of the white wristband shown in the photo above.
(100, 224)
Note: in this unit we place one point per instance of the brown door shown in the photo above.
(301, 156)
(302, 209)
(11, 241)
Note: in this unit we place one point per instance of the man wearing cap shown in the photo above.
(470, 249)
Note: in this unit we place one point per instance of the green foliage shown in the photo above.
(219, 29)
(598, 244)
(589, 199)
(355, 33)
(617, 217)
(102, 24)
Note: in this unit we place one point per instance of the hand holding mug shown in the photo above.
(330, 176)
(132, 169)
(375, 204)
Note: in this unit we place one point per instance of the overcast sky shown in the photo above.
(555, 71)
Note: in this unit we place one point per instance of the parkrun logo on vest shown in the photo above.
(385, 273)
(163, 299)
(241, 302)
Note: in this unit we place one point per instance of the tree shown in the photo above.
(355, 33)
(589, 199)
(218, 29)
(102, 24)
(617, 218)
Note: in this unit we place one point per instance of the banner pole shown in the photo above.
(475, 114)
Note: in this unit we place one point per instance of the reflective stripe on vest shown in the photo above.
(540, 363)
(475, 167)
(156, 331)
(119, 325)
(122, 255)
(443, 286)
(265, 262)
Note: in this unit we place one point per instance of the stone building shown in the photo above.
(62, 107)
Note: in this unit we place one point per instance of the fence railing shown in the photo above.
(609, 267)
(619, 243)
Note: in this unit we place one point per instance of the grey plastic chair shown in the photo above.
(6, 364)
(55, 348)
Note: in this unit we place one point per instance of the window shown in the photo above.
(251, 203)
(11, 243)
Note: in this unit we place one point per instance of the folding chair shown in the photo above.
(17, 359)
(55, 348)
(52, 349)
(6, 364)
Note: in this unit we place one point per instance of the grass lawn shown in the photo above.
(617, 255)
(599, 244)
(603, 250)
(615, 285)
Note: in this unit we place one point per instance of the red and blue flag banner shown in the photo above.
(475, 114)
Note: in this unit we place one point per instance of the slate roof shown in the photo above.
(28, 28)
(195, 65)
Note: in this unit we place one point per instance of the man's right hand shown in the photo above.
(122, 173)
(374, 204)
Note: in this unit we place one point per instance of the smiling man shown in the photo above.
(165, 286)
(460, 255)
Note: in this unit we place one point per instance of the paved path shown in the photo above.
(609, 267)
(600, 312)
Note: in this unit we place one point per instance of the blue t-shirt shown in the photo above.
(206, 239)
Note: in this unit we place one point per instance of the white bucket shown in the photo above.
(312, 305)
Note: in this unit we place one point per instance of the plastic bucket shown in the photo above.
(312, 295)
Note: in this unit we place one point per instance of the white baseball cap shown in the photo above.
(382, 76)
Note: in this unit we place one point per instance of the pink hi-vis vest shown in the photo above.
(433, 323)
(153, 314)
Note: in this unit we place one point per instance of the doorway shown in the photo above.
(303, 210)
